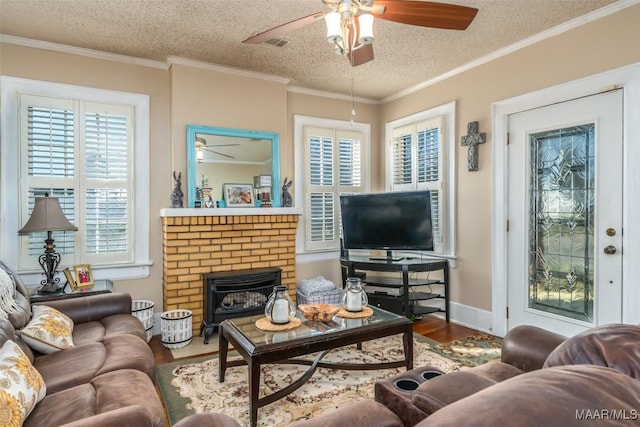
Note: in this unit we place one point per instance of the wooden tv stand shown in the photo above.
(405, 303)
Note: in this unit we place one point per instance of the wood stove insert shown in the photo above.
(239, 293)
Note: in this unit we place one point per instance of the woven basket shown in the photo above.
(327, 297)
(143, 310)
(176, 328)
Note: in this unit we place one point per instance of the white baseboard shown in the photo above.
(471, 317)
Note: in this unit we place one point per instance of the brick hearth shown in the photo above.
(196, 245)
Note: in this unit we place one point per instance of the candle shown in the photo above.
(354, 301)
(280, 313)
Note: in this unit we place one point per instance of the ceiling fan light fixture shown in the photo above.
(334, 28)
(365, 35)
(199, 155)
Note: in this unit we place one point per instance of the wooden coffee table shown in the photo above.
(259, 347)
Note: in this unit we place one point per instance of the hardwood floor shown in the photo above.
(429, 326)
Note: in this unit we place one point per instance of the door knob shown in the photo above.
(609, 250)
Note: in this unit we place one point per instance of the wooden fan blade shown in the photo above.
(283, 29)
(219, 153)
(361, 56)
(426, 14)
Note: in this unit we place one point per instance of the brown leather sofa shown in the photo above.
(542, 379)
(106, 378)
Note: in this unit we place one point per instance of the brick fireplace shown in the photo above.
(195, 244)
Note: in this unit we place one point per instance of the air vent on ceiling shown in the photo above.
(278, 42)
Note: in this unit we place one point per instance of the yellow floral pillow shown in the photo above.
(21, 385)
(48, 330)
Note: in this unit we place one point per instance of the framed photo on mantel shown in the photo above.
(238, 195)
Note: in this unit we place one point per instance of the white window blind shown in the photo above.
(416, 164)
(80, 152)
(333, 166)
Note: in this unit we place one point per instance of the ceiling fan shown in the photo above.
(350, 22)
(201, 145)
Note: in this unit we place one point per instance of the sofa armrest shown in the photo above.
(93, 307)
(527, 347)
(134, 415)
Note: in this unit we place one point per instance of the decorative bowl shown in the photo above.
(319, 312)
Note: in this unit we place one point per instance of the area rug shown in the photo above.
(191, 386)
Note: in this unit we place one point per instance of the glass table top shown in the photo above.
(308, 328)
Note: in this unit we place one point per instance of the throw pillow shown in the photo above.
(7, 289)
(48, 330)
(21, 385)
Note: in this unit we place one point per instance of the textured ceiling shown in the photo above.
(212, 31)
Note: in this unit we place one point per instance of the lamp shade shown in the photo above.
(366, 28)
(334, 30)
(47, 216)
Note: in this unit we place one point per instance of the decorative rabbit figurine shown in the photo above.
(287, 200)
(177, 194)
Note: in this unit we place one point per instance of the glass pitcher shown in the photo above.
(280, 308)
(354, 298)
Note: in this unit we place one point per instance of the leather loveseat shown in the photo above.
(592, 378)
(105, 378)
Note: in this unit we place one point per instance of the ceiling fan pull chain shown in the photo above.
(353, 97)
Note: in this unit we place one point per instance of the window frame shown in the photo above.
(447, 164)
(300, 123)
(11, 88)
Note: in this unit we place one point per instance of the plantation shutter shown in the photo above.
(416, 164)
(48, 129)
(106, 171)
(74, 148)
(333, 162)
(429, 176)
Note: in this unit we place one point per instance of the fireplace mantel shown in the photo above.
(179, 212)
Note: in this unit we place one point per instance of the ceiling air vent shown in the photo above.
(278, 42)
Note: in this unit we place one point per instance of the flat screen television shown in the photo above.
(387, 221)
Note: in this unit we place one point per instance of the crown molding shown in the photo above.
(172, 60)
(552, 32)
(89, 53)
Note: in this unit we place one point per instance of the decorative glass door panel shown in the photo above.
(565, 214)
(561, 222)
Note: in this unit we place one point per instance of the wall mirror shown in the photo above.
(217, 156)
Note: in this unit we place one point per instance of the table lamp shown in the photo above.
(47, 216)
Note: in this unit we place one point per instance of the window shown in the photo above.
(79, 145)
(420, 157)
(334, 156)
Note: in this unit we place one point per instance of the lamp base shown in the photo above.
(51, 288)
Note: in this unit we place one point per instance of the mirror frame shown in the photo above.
(192, 130)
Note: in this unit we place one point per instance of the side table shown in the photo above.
(103, 286)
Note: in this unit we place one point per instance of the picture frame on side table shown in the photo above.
(70, 280)
(84, 275)
(238, 195)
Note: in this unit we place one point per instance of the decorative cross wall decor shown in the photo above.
(472, 140)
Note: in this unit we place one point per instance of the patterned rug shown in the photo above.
(191, 386)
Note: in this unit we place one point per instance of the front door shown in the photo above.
(565, 214)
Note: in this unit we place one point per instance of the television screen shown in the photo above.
(391, 221)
